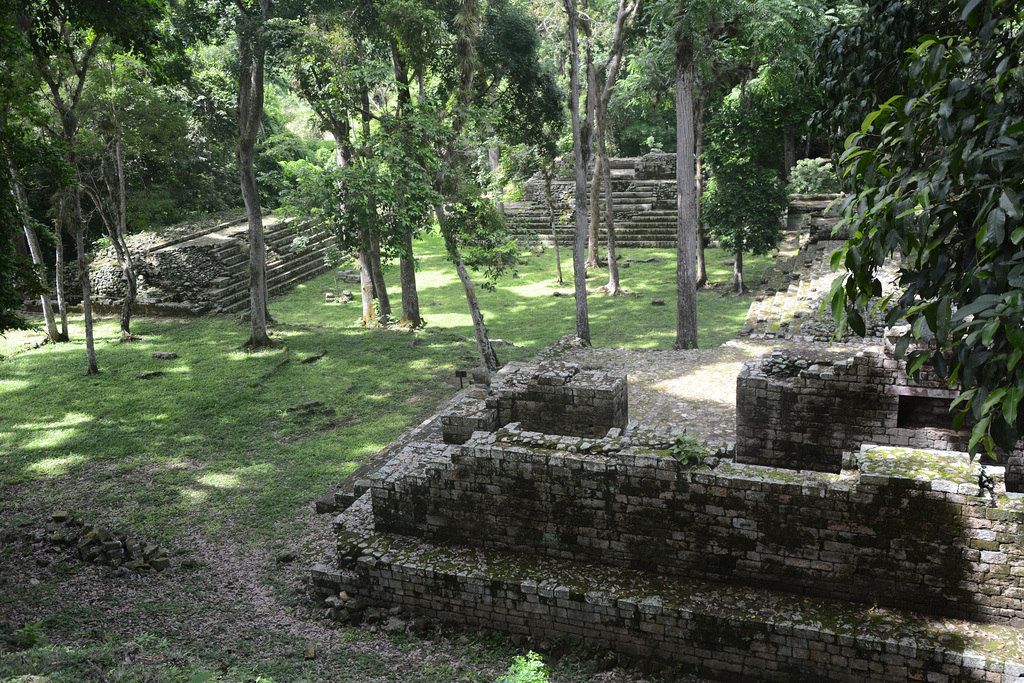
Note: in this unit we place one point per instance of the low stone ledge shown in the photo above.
(723, 631)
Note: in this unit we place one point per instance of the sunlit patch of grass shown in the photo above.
(51, 434)
(220, 480)
(14, 385)
(194, 496)
(55, 466)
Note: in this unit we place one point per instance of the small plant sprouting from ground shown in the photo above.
(526, 669)
(687, 448)
(29, 636)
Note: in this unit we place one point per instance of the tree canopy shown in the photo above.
(937, 179)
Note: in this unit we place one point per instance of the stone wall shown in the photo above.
(656, 165)
(909, 530)
(554, 398)
(805, 414)
(714, 642)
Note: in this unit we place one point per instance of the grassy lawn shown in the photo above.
(208, 460)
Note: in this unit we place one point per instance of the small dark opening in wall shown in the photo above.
(916, 412)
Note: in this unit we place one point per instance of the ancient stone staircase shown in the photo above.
(191, 272)
(229, 292)
(645, 214)
(795, 287)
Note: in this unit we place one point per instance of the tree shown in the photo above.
(686, 191)
(602, 99)
(18, 113)
(106, 185)
(937, 174)
(252, 35)
(63, 40)
(739, 38)
(581, 148)
(745, 201)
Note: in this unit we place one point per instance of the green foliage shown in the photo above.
(858, 58)
(526, 669)
(686, 448)
(938, 177)
(813, 176)
(524, 96)
(744, 202)
(29, 636)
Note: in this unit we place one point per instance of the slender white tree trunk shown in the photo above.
(579, 263)
(686, 200)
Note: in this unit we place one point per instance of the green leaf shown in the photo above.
(1010, 206)
(857, 322)
(1011, 404)
(868, 120)
(968, 10)
(1015, 357)
(902, 344)
(989, 332)
(201, 677)
(916, 362)
(993, 398)
(982, 303)
(978, 433)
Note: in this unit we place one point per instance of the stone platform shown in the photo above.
(897, 569)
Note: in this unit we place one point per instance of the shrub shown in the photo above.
(813, 176)
(528, 669)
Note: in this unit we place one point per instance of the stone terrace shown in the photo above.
(898, 567)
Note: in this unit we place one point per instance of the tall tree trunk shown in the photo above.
(594, 225)
(407, 264)
(407, 273)
(83, 279)
(613, 287)
(686, 198)
(603, 97)
(737, 272)
(581, 142)
(342, 130)
(369, 317)
(62, 297)
(488, 357)
(549, 170)
(465, 53)
(380, 290)
(377, 275)
(788, 151)
(21, 204)
(128, 264)
(252, 56)
(702, 238)
(44, 299)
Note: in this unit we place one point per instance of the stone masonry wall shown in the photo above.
(713, 643)
(561, 398)
(911, 541)
(554, 398)
(808, 420)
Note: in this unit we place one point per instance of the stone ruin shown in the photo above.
(556, 398)
(740, 570)
(805, 411)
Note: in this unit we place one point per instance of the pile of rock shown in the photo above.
(97, 544)
(180, 275)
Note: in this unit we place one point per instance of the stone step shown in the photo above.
(279, 284)
(723, 631)
(277, 271)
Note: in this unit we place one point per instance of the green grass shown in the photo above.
(212, 442)
(211, 447)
